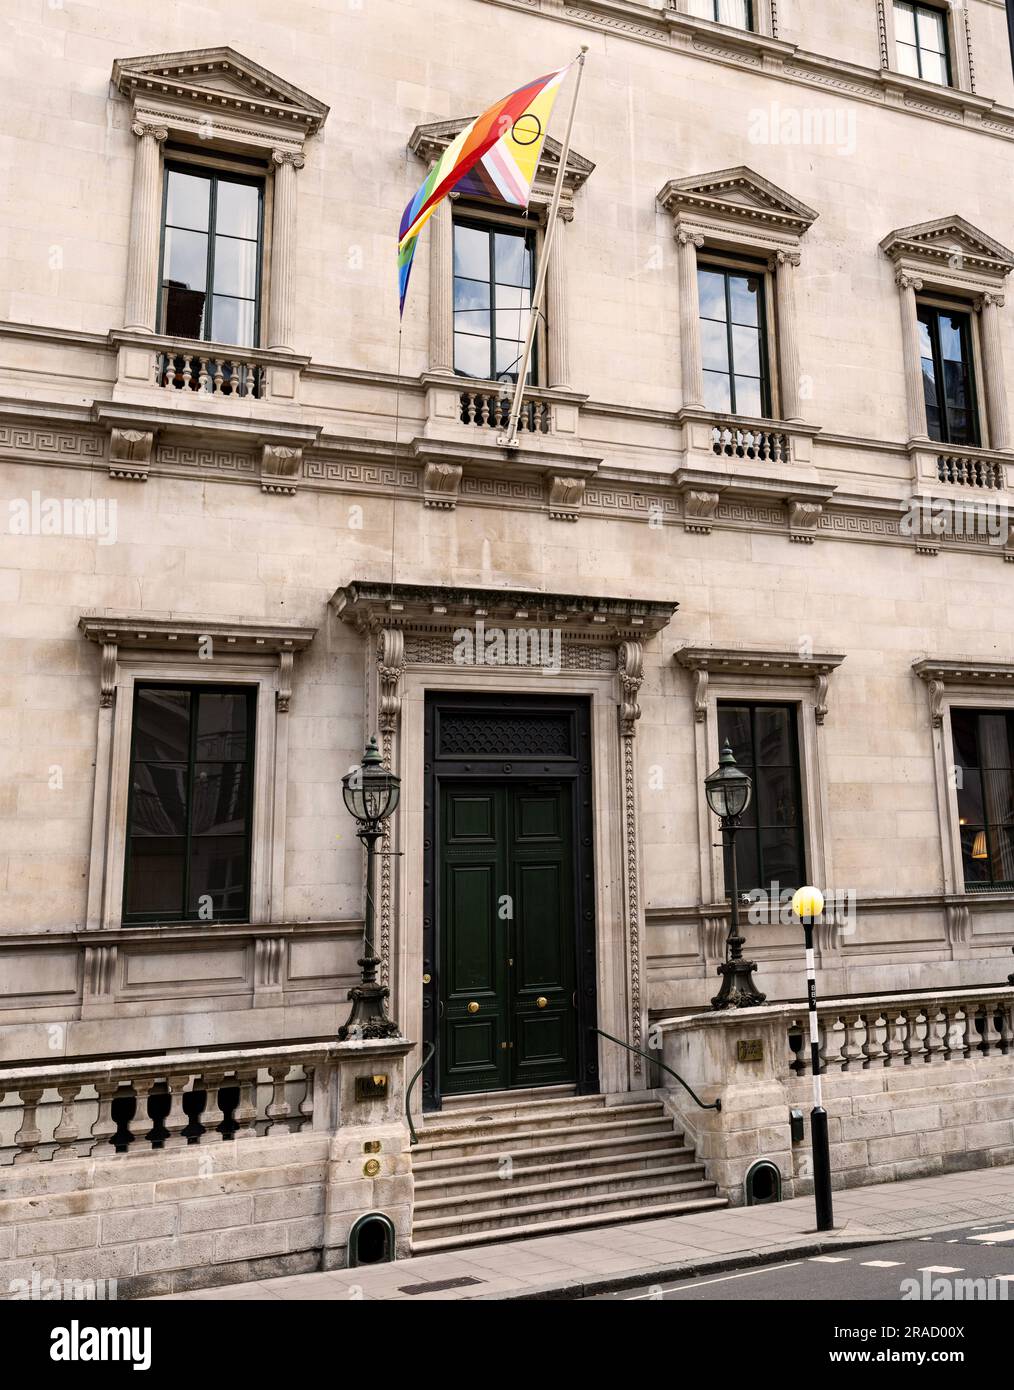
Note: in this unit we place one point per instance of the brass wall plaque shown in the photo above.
(370, 1087)
(371, 1167)
(750, 1050)
(372, 1146)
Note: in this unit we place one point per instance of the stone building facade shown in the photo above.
(762, 491)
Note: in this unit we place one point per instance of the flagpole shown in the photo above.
(510, 439)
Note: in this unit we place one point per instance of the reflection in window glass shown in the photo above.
(945, 349)
(732, 341)
(769, 846)
(211, 241)
(188, 832)
(920, 33)
(738, 14)
(983, 741)
(493, 282)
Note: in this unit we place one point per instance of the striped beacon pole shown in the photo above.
(808, 904)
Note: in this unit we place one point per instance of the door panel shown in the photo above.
(474, 940)
(508, 936)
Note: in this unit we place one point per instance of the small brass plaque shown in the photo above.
(371, 1167)
(370, 1087)
(372, 1146)
(750, 1050)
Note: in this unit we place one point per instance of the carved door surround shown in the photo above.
(418, 640)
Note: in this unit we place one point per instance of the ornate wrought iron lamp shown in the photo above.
(728, 790)
(371, 794)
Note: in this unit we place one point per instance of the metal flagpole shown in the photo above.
(509, 440)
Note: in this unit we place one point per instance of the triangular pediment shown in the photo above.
(430, 141)
(952, 241)
(219, 80)
(737, 195)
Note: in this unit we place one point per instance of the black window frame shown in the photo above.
(752, 770)
(743, 267)
(192, 688)
(489, 227)
(750, 24)
(988, 825)
(964, 312)
(918, 7)
(215, 177)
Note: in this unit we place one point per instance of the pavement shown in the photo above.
(584, 1263)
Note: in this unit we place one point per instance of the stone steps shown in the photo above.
(482, 1176)
(524, 1167)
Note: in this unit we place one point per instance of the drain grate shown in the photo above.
(438, 1285)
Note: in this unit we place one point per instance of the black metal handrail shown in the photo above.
(428, 1051)
(716, 1105)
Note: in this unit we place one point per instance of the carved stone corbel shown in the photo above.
(99, 971)
(284, 692)
(130, 454)
(804, 518)
(935, 690)
(959, 924)
(441, 482)
(107, 675)
(630, 665)
(820, 686)
(390, 666)
(565, 497)
(280, 468)
(699, 510)
(700, 695)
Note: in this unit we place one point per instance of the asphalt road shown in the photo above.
(898, 1270)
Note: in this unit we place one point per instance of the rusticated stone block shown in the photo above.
(895, 1150)
(180, 1252)
(919, 1118)
(45, 1237)
(213, 1213)
(136, 1224)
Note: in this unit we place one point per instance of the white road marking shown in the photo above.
(882, 1264)
(829, 1259)
(941, 1269)
(995, 1235)
(700, 1283)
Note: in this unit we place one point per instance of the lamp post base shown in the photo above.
(738, 989)
(368, 1018)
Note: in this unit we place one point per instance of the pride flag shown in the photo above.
(494, 157)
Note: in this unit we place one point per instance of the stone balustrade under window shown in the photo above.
(968, 469)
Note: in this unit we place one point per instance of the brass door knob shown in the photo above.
(542, 1001)
(473, 1007)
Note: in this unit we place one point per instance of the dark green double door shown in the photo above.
(507, 932)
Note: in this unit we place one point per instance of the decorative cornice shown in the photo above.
(371, 607)
(948, 244)
(705, 662)
(737, 197)
(214, 80)
(965, 671)
(186, 634)
(431, 140)
(746, 661)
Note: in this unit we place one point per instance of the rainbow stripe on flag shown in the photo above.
(496, 157)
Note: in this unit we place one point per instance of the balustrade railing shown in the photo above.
(221, 377)
(738, 441)
(963, 470)
(903, 1032)
(491, 410)
(130, 1106)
